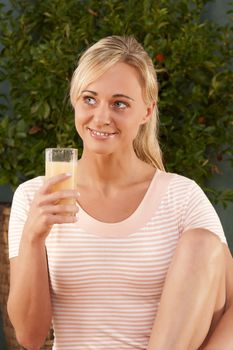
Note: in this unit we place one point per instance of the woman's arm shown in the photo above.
(29, 304)
(221, 337)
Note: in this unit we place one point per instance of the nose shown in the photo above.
(102, 115)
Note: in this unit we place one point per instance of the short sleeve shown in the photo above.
(200, 213)
(21, 203)
(18, 216)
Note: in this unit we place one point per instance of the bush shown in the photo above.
(42, 41)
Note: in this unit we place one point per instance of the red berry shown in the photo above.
(201, 119)
(34, 130)
(160, 57)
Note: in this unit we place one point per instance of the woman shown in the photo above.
(145, 264)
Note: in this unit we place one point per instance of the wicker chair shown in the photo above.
(11, 341)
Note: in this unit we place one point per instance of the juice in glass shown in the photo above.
(62, 160)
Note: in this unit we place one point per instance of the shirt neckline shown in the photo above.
(142, 214)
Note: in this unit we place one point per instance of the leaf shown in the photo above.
(67, 30)
(47, 14)
(162, 24)
(35, 107)
(21, 125)
(46, 110)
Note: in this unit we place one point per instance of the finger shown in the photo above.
(64, 219)
(49, 183)
(61, 209)
(55, 197)
(51, 219)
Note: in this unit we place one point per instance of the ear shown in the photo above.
(149, 113)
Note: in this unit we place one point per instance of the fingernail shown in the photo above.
(78, 194)
(68, 174)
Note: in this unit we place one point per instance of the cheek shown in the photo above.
(135, 132)
(79, 119)
(76, 124)
(134, 125)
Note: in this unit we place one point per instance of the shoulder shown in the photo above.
(35, 182)
(26, 190)
(179, 189)
(176, 182)
(31, 185)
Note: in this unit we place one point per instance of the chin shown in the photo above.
(102, 151)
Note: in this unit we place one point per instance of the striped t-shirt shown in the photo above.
(107, 278)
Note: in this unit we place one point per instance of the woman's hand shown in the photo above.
(45, 210)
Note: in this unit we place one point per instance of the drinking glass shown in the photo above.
(62, 160)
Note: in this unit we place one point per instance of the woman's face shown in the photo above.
(110, 110)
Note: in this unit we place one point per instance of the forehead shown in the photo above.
(121, 77)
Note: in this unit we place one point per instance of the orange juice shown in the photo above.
(53, 168)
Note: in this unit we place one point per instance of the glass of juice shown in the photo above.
(62, 160)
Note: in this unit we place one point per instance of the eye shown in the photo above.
(89, 100)
(120, 104)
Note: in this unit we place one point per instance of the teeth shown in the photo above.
(98, 133)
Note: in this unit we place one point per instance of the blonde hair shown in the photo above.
(101, 56)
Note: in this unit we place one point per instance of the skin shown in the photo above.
(29, 304)
(114, 104)
(196, 305)
(106, 171)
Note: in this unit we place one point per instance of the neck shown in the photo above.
(107, 170)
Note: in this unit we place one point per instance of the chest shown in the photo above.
(113, 208)
(80, 263)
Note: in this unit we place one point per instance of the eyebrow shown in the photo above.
(115, 95)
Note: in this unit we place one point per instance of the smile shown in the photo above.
(101, 134)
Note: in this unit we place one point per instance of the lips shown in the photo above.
(101, 134)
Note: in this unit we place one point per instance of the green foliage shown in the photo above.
(42, 41)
